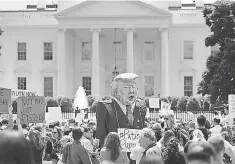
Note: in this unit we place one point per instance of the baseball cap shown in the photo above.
(200, 150)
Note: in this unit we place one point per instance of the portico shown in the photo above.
(89, 15)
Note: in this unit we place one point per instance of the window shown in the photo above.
(48, 51)
(48, 86)
(21, 51)
(188, 86)
(22, 83)
(86, 51)
(188, 49)
(86, 83)
(149, 86)
(118, 50)
(148, 51)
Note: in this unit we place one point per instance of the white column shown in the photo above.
(61, 86)
(130, 47)
(164, 63)
(95, 79)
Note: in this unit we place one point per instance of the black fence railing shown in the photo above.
(184, 116)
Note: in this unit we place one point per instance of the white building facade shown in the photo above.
(55, 52)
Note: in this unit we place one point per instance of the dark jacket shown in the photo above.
(110, 117)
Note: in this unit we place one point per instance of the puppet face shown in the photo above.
(127, 92)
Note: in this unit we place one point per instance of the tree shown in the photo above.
(218, 79)
(51, 103)
(181, 104)
(66, 104)
(193, 104)
(220, 19)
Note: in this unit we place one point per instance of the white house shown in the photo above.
(53, 50)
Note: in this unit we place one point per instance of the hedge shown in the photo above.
(51, 102)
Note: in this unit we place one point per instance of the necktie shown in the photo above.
(129, 115)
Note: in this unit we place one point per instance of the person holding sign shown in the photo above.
(10, 123)
(123, 110)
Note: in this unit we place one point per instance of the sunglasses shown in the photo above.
(54, 132)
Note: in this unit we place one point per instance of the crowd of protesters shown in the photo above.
(73, 143)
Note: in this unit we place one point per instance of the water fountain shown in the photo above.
(80, 103)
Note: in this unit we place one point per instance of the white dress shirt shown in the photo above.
(216, 130)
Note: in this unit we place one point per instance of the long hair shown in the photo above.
(171, 152)
(36, 139)
(113, 144)
(14, 148)
(168, 134)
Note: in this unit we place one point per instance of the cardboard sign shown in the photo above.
(22, 93)
(5, 100)
(129, 138)
(231, 105)
(31, 109)
(154, 102)
(55, 113)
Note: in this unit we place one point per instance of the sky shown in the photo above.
(21, 4)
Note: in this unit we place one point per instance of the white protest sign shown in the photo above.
(5, 100)
(31, 109)
(21, 93)
(154, 102)
(55, 113)
(231, 105)
(129, 138)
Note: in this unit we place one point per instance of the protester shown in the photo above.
(216, 130)
(112, 151)
(147, 141)
(200, 152)
(37, 146)
(14, 148)
(74, 152)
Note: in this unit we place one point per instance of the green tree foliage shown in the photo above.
(51, 103)
(218, 79)
(220, 19)
(182, 102)
(193, 104)
(66, 104)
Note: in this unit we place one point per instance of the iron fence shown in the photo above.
(184, 116)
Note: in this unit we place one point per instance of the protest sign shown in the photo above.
(129, 138)
(5, 100)
(55, 113)
(21, 93)
(154, 102)
(31, 109)
(231, 105)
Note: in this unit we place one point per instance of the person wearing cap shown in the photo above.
(200, 152)
(122, 110)
(216, 130)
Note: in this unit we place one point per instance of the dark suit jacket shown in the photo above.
(110, 117)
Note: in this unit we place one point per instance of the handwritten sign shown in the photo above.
(231, 103)
(129, 138)
(21, 93)
(31, 109)
(154, 102)
(55, 113)
(5, 100)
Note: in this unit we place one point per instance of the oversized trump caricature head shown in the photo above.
(124, 88)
